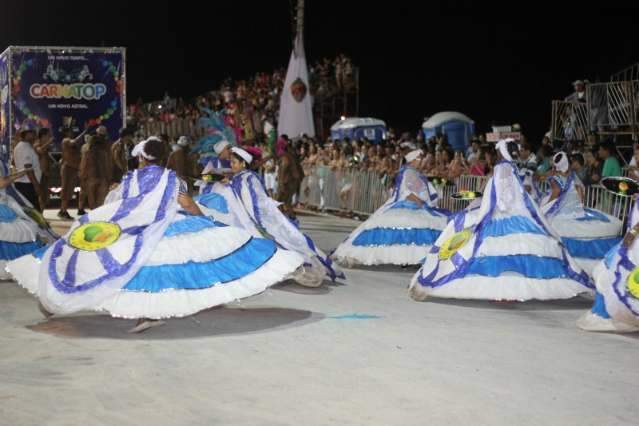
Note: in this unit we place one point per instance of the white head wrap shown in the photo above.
(245, 155)
(560, 160)
(183, 141)
(413, 155)
(408, 145)
(504, 179)
(219, 147)
(502, 147)
(138, 150)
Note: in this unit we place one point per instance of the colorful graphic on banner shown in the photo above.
(5, 125)
(67, 88)
(298, 90)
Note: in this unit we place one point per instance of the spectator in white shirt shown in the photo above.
(25, 157)
(473, 152)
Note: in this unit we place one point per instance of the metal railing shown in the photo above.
(627, 74)
(360, 192)
(363, 192)
(174, 128)
(614, 106)
(608, 108)
(597, 197)
(569, 120)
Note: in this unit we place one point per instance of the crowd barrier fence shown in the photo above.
(363, 192)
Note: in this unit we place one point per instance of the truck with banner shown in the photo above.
(61, 87)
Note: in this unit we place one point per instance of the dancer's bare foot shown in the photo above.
(144, 324)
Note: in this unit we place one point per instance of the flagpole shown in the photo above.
(296, 106)
(300, 19)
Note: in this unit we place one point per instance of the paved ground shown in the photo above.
(355, 354)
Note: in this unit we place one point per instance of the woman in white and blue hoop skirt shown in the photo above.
(19, 233)
(402, 230)
(588, 234)
(260, 215)
(149, 253)
(507, 251)
(616, 306)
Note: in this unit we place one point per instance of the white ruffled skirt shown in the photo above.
(398, 234)
(198, 264)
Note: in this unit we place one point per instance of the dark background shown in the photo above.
(416, 58)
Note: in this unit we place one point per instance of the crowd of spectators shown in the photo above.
(248, 103)
(591, 160)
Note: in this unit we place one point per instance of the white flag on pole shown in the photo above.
(296, 108)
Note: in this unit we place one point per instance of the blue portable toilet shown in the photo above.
(356, 128)
(457, 127)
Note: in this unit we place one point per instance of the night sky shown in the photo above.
(497, 66)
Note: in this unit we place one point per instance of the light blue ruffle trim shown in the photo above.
(590, 249)
(593, 215)
(511, 225)
(200, 275)
(529, 266)
(190, 224)
(396, 236)
(213, 201)
(7, 214)
(10, 251)
(411, 205)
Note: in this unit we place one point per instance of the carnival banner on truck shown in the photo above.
(58, 87)
(5, 112)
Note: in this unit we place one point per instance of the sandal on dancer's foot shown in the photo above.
(44, 311)
(145, 324)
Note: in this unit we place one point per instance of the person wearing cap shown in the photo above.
(402, 230)
(223, 150)
(26, 158)
(96, 169)
(70, 170)
(588, 234)
(121, 154)
(221, 164)
(216, 169)
(580, 91)
(149, 254)
(505, 250)
(262, 217)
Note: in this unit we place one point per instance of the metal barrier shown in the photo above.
(611, 107)
(360, 192)
(614, 106)
(569, 120)
(627, 74)
(174, 128)
(596, 197)
(363, 192)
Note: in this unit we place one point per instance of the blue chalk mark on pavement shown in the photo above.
(354, 316)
